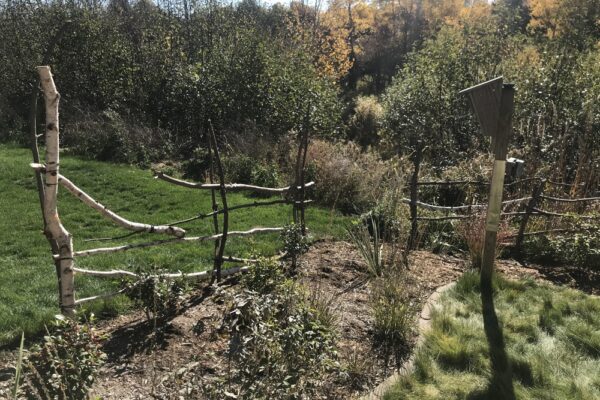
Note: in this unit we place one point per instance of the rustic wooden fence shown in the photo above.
(49, 178)
(527, 205)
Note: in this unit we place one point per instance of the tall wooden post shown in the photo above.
(55, 229)
(493, 103)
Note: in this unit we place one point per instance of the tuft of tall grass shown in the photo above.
(393, 314)
(472, 232)
(19, 369)
(369, 246)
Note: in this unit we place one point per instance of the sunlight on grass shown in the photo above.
(552, 338)
(28, 291)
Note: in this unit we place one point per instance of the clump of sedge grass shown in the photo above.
(369, 246)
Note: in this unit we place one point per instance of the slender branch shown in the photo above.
(195, 275)
(228, 186)
(457, 208)
(565, 200)
(246, 205)
(125, 223)
(98, 297)
(108, 239)
(114, 272)
(561, 230)
(443, 218)
(553, 214)
(116, 249)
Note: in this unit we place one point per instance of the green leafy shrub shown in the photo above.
(294, 242)
(238, 168)
(264, 277)
(282, 343)
(580, 249)
(65, 365)
(154, 293)
(265, 174)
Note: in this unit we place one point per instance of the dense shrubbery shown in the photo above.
(171, 70)
(282, 342)
(347, 178)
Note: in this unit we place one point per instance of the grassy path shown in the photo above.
(545, 344)
(28, 295)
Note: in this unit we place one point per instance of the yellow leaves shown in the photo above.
(545, 14)
(438, 11)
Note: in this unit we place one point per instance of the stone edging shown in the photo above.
(424, 325)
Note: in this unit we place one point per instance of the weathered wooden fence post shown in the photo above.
(414, 196)
(58, 233)
(538, 190)
(223, 192)
(493, 105)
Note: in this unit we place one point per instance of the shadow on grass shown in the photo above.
(501, 382)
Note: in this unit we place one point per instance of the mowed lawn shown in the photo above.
(28, 287)
(549, 337)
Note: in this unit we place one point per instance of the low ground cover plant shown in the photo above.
(282, 339)
(551, 341)
(64, 366)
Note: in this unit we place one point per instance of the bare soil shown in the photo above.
(192, 350)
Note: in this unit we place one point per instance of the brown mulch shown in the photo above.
(192, 350)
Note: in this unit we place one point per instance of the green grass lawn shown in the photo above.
(549, 337)
(28, 287)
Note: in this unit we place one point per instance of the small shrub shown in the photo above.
(264, 277)
(369, 246)
(65, 365)
(294, 243)
(156, 294)
(282, 343)
(265, 174)
(238, 168)
(581, 250)
(197, 164)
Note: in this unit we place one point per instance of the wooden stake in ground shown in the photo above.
(55, 228)
(492, 102)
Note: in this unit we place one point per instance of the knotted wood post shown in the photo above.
(493, 105)
(54, 227)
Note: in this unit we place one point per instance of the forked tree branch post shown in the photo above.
(57, 231)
